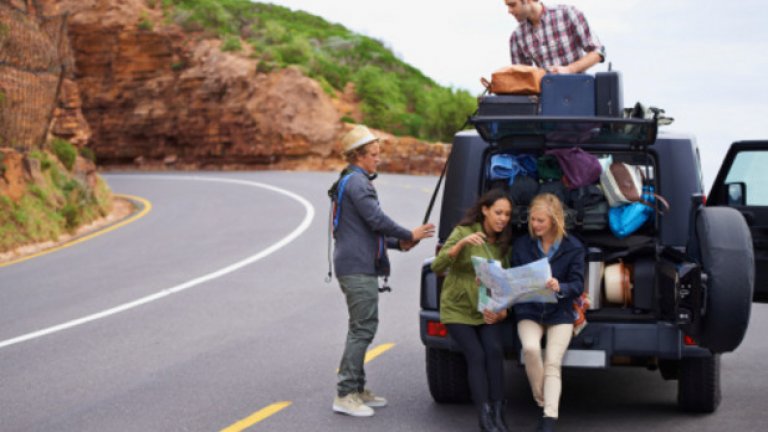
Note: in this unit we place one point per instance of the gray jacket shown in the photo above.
(364, 232)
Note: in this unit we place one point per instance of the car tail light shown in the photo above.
(689, 341)
(436, 328)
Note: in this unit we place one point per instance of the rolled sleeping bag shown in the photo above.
(618, 284)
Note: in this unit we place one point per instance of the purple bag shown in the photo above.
(579, 167)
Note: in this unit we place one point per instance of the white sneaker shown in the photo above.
(351, 404)
(370, 399)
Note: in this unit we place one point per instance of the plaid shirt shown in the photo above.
(562, 37)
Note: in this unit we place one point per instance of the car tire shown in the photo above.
(447, 376)
(727, 258)
(698, 386)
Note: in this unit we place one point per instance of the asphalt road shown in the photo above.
(210, 313)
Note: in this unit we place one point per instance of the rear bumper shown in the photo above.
(661, 340)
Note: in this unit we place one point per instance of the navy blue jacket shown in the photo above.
(567, 267)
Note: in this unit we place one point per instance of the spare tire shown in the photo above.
(727, 258)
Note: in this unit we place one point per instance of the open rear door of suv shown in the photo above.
(742, 183)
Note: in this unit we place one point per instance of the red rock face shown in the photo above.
(12, 184)
(162, 97)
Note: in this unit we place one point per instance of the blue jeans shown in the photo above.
(362, 294)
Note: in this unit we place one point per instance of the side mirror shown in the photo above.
(736, 194)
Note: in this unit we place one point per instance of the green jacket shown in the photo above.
(458, 299)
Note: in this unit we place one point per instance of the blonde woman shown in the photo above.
(546, 225)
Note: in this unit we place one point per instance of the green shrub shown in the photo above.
(231, 43)
(297, 51)
(88, 154)
(145, 23)
(71, 216)
(66, 152)
(45, 163)
(274, 33)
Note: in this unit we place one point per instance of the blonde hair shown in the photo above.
(550, 204)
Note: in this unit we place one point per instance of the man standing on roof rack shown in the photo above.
(557, 38)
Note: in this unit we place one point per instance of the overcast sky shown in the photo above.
(703, 61)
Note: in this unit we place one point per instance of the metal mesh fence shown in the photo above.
(34, 56)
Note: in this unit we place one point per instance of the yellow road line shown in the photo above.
(257, 417)
(379, 350)
(279, 406)
(147, 206)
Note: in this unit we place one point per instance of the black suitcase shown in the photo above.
(609, 94)
(568, 95)
(504, 105)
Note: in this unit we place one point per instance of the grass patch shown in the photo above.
(231, 43)
(65, 151)
(56, 204)
(145, 23)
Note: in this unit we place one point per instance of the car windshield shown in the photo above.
(576, 130)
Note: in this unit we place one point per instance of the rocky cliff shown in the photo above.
(154, 95)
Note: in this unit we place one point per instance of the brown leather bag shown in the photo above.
(515, 79)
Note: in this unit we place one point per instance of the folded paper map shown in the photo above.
(501, 288)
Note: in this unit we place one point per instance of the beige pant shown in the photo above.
(544, 375)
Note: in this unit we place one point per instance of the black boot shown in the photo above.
(498, 415)
(548, 424)
(486, 419)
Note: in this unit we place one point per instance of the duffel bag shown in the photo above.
(622, 183)
(515, 79)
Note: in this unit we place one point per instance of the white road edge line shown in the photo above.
(310, 214)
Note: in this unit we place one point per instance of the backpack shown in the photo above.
(590, 206)
(579, 167)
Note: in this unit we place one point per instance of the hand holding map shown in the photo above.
(500, 288)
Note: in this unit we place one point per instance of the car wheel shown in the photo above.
(447, 376)
(727, 258)
(698, 386)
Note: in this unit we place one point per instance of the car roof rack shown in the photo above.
(634, 132)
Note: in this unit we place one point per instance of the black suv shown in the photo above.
(698, 266)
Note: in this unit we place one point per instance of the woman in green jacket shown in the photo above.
(484, 232)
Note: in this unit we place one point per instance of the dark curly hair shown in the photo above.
(475, 215)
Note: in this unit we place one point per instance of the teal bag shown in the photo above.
(628, 218)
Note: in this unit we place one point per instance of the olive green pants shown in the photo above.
(362, 294)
